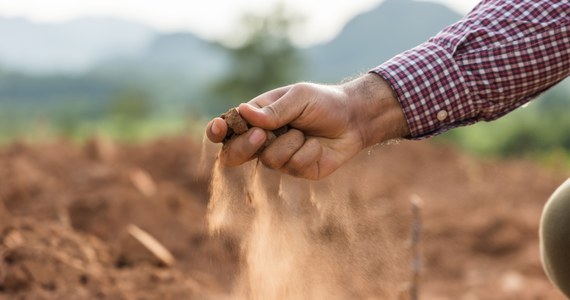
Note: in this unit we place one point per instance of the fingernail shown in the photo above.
(256, 137)
(215, 129)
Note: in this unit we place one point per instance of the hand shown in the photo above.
(330, 124)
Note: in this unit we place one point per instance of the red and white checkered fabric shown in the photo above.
(498, 57)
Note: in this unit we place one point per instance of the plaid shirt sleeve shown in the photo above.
(496, 58)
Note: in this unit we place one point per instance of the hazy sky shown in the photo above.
(211, 19)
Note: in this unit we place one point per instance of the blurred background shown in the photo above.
(133, 70)
(103, 104)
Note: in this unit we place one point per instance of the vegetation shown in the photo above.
(540, 129)
(130, 100)
(264, 59)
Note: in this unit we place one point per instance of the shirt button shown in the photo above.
(442, 115)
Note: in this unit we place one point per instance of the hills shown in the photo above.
(375, 36)
(95, 43)
(71, 47)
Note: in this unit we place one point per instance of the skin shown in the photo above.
(331, 124)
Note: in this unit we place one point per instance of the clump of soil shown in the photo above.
(67, 214)
(237, 125)
(65, 211)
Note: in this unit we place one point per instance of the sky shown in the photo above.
(210, 19)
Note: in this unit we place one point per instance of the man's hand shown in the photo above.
(330, 124)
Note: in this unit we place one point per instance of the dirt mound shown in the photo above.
(65, 216)
(65, 212)
(480, 238)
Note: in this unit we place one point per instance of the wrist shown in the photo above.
(375, 110)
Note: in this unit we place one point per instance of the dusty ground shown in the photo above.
(65, 210)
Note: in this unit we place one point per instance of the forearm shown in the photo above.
(498, 57)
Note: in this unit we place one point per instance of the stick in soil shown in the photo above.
(416, 251)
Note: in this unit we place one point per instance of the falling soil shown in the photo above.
(65, 214)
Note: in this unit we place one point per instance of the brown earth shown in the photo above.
(65, 211)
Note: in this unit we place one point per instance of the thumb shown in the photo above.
(277, 114)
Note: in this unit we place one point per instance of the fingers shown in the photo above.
(216, 130)
(269, 97)
(280, 151)
(242, 148)
(292, 154)
(305, 162)
(271, 113)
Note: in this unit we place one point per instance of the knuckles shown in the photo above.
(276, 155)
(237, 151)
(270, 161)
(302, 88)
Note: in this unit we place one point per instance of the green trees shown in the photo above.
(263, 59)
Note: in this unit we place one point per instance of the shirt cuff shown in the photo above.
(431, 90)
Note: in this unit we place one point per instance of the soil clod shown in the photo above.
(237, 126)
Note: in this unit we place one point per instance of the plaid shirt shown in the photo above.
(496, 58)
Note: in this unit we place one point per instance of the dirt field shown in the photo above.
(65, 212)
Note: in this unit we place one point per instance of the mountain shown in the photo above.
(171, 55)
(187, 53)
(175, 68)
(375, 36)
(92, 58)
(86, 43)
(97, 57)
(111, 44)
(71, 47)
